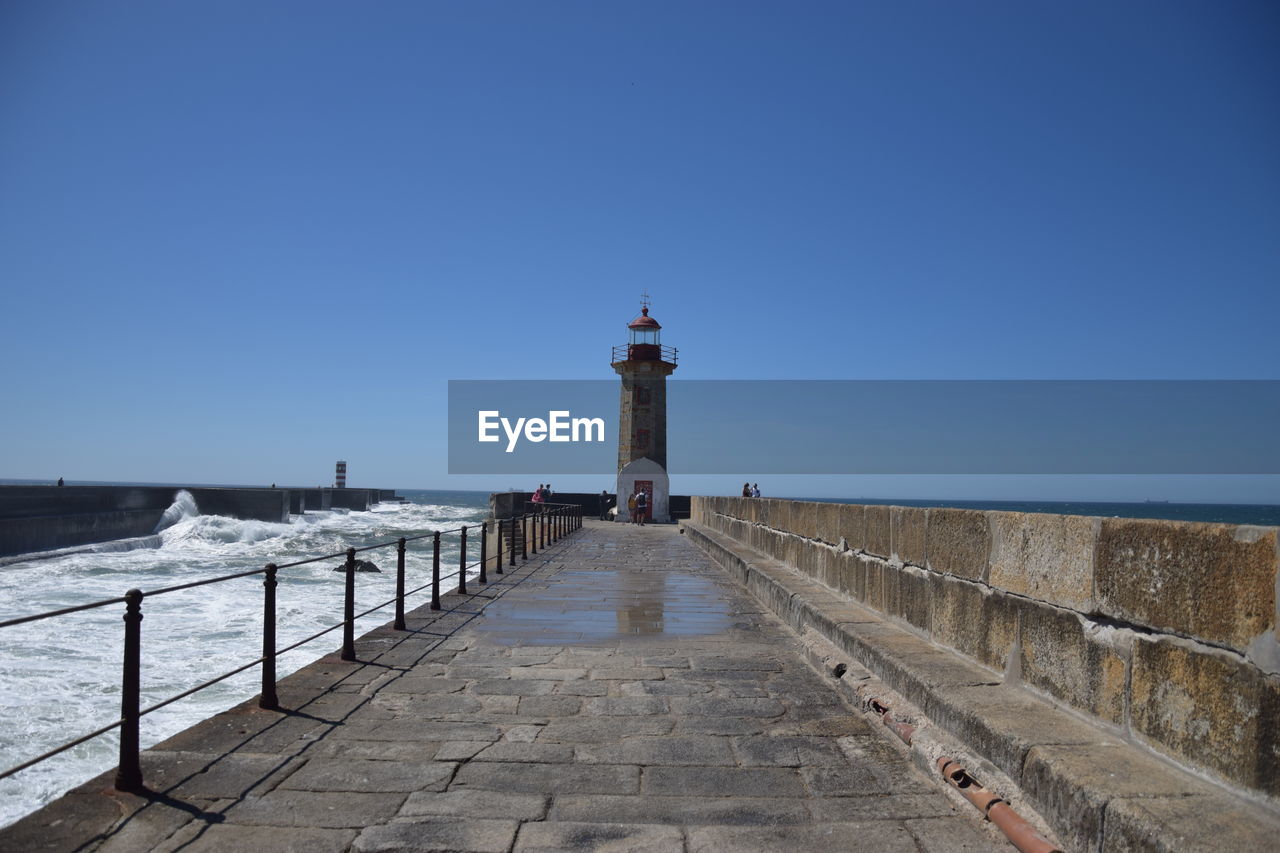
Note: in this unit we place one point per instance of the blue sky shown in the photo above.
(241, 240)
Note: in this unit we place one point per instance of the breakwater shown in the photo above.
(1163, 631)
(46, 518)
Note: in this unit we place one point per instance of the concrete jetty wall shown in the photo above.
(260, 504)
(48, 533)
(1165, 631)
(357, 500)
(316, 499)
(31, 501)
(43, 518)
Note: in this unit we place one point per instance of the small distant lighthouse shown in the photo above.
(644, 365)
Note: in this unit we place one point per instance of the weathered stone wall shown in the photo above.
(1165, 630)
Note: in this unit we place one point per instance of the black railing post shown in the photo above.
(498, 564)
(462, 562)
(533, 533)
(512, 524)
(267, 698)
(349, 608)
(524, 536)
(400, 550)
(129, 770)
(484, 551)
(435, 570)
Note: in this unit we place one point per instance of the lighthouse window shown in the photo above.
(642, 396)
(644, 336)
(642, 439)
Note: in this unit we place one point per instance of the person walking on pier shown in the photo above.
(642, 506)
(755, 490)
(604, 504)
(746, 490)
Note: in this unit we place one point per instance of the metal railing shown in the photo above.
(536, 529)
(645, 352)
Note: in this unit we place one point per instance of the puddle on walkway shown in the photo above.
(606, 604)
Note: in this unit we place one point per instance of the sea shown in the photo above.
(59, 678)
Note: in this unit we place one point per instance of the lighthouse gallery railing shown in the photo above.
(645, 352)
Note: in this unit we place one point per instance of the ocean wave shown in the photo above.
(183, 507)
(218, 529)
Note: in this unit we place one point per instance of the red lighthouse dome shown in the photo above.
(644, 321)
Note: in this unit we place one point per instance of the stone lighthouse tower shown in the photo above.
(644, 365)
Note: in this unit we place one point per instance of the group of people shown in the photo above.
(751, 490)
(638, 507)
(542, 494)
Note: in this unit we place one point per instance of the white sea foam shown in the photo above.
(183, 506)
(59, 678)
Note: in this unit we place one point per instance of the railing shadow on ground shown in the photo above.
(167, 797)
(532, 530)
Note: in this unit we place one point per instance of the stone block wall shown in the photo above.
(1164, 630)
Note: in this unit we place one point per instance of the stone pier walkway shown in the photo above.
(616, 692)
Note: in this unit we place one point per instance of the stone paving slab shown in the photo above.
(616, 692)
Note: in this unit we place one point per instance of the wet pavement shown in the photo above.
(617, 692)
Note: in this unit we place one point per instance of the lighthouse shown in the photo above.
(644, 364)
